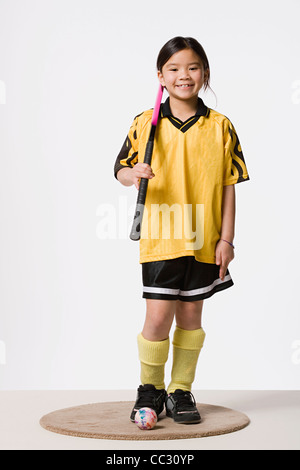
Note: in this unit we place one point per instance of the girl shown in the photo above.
(188, 223)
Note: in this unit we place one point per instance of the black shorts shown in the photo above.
(182, 279)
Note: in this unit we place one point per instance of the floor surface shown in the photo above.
(274, 415)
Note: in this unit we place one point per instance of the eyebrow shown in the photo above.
(192, 63)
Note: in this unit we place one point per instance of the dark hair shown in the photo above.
(178, 44)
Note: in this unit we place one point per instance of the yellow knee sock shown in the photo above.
(187, 345)
(153, 356)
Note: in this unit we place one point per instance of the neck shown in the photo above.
(183, 107)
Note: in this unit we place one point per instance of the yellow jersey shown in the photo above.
(192, 161)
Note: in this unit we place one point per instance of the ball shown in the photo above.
(145, 418)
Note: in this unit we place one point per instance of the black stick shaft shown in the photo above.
(135, 233)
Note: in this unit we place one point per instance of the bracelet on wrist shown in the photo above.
(227, 242)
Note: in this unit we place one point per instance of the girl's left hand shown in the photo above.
(224, 254)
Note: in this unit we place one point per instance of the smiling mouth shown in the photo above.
(183, 86)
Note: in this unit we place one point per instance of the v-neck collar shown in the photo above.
(165, 111)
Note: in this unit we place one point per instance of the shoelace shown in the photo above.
(184, 400)
(147, 396)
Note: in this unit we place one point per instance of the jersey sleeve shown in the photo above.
(235, 170)
(128, 155)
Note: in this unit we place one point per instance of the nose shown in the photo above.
(184, 74)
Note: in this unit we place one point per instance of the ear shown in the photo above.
(161, 78)
(206, 75)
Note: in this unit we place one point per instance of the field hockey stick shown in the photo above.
(135, 233)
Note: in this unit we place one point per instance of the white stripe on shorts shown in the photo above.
(161, 290)
(186, 293)
(204, 290)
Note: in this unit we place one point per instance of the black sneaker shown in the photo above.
(149, 397)
(181, 406)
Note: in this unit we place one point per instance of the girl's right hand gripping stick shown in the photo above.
(135, 233)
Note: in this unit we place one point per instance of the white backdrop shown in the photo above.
(73, 74)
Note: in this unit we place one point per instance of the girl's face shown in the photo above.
(183, 75)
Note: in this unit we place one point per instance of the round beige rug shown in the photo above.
(110, 420)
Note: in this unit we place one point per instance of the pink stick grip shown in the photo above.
(157, 105)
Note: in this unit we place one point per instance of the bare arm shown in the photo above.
(224, 252)
(129, 176)
(228, 213)
(124, 176)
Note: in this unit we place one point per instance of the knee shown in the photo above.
(157, 324)
(189, 314)
(158, 321)
(190, 308)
